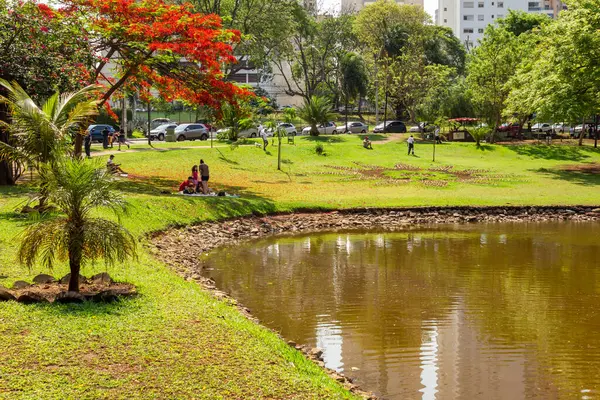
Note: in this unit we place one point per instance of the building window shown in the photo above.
(500, 4)
(480, 17)
(468, 18)
(468, 30)
(480, 4)
(500, 16)
(445, 21)
(492, 17)
(480, 30)
(468, 4)
(445, 8)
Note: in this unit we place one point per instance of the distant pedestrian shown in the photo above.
(204, 175)
(121, 139)
(411, 145)
(438, 139)
(265, 139)
(87, 144)
(105, 133)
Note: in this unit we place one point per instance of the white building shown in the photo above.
(468, 18)
(357, 5)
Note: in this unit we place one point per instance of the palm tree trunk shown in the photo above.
(313, 130)
(75, 256)
(6, 170)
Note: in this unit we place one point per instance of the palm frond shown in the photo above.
(108, 240)
(46, 240)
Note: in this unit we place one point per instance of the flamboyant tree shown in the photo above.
(151, 43)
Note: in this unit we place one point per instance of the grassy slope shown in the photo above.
(174, 341)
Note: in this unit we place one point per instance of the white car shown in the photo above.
(541, 127)
(160, 131)
(289, 129)
(246, 133)
(560, 128)
(156, 122)
(328, 128)
(355, 127)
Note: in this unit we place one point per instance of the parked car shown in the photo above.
(329, 127)
(96, 132)
(207, 124)
(191, 132)
(355, 127)
(289, 129)
(512, 128)
(156, 122)
(160, 131)
(541, 127)
(560, 128)
(391, 127)
(422, 127)
(246, 133)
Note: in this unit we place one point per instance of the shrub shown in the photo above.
(319, 149)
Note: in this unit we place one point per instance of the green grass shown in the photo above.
(174, 340)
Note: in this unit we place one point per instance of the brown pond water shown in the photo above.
(490, 311)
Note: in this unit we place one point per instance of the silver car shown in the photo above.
(355, 127)
(191, 132)
(160, 131)
(328, 128)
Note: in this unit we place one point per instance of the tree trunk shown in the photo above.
(346, 111)
(78, 145)
(75, 259)
(313, 130)
(6, 168)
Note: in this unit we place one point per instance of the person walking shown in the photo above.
(411, 145)
(105, 137)
(438, 140)
(204, 175)
(121, 139)
(263, 134)
(87, 144)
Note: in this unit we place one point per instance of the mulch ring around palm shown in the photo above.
(46, 289)
(406, 173)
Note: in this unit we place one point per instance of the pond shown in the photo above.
(490, 311)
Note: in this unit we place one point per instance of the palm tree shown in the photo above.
(76, 188)
(315, 111)
(39, 135)
(354, 78)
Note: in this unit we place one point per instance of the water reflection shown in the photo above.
(504, 311)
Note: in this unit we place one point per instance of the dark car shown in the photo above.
(391, 127)
(96, 131)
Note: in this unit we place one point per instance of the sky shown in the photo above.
(430, 5)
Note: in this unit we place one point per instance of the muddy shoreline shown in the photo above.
(180, 248)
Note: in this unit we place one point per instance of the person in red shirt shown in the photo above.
(186, 185)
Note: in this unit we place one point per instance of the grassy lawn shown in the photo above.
(174, 340)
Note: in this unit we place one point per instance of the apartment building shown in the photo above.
(357, 5)
(468, 18)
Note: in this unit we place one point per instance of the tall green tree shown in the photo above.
(560, 78)
(77, 188)
(492, 64)
(354, 79)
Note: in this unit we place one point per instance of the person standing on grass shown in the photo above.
(411, 145)
(263, 134)
(87, 144)
(204, 176)
(105, 137)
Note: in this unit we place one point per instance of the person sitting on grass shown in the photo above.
(188, 183)
(367, 143)
(112, 167)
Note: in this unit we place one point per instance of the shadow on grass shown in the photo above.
(554, 152)
(577, 177)
(17, 190)
(152, 185)
(486, 147)
(225, 159)
(324, 138)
